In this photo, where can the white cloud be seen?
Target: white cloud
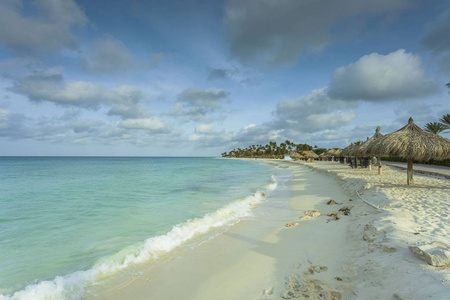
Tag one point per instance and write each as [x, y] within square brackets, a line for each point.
[49, 85]
[46, 25]
[151, 124]
[200, 105]
[209, 98]
[204, 128]
[376, 77]
[313, 112]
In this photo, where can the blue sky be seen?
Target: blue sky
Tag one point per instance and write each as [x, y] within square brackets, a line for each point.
[136, 77]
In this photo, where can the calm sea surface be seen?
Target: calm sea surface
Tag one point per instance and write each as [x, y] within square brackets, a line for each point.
[66, 221]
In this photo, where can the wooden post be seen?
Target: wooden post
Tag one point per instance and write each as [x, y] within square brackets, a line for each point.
[409, 173]
[380, 166]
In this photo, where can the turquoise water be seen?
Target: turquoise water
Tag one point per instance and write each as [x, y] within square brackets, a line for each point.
[66, 221]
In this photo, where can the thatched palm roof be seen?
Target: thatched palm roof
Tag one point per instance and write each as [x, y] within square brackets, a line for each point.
[338, 152]
[331, 152]
[361, 149]
[413, 143]
[348, 149]
[295, 155]
[310, 154]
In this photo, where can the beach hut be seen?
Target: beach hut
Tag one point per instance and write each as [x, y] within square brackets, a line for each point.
[413, 143]
[295, 155]
[310, 155]
[346, 150]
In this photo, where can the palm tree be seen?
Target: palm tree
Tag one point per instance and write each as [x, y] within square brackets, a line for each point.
[435, 127]
[445, 120]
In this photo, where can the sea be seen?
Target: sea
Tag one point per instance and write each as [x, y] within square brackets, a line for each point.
[67, 223]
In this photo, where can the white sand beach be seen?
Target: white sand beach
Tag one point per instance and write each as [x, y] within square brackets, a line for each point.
[358, 253]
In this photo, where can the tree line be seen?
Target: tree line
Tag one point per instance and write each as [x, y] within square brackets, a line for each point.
[272, 150]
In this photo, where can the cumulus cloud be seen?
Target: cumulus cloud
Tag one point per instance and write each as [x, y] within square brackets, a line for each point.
[313, 112]
[109, 55]
[210, 98]
[85, 125]
[376, 77]
[152, 124]
[39, 25]
[204, 128]
[276, 32]
[199, 104]
[125, 101]
[49, 85]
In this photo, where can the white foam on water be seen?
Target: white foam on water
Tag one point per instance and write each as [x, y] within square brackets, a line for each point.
[72, 286]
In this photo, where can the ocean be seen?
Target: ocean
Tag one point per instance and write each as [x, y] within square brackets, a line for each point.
[69, 222]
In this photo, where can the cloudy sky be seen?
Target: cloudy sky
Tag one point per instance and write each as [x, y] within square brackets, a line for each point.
[199, 77]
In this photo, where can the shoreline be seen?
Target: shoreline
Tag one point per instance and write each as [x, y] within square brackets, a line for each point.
[363, 255]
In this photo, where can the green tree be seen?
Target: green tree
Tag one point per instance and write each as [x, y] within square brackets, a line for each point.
[445, 120]
[435, 127]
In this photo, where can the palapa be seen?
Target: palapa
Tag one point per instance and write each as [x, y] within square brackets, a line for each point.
[338, 152]
[413, 143]
[295, 155]
[361, 149]
[346, 151]
[310, 154]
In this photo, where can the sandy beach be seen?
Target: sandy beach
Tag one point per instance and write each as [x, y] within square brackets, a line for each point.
[309, 249]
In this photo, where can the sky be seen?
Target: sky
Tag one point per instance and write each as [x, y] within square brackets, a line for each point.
[200, 77]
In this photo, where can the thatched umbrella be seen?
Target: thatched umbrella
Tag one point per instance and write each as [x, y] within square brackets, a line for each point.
[295, 155]
[338, 152]
[310, 154]
[411, 142]
[331, 152]
[346, 151]
[361, 149]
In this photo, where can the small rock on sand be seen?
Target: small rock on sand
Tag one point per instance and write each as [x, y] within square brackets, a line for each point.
[436, 254]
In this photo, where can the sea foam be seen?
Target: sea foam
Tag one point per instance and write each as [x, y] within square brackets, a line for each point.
[73, 286]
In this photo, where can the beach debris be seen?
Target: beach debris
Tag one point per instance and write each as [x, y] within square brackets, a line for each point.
[305, 218]
[345, 210]
[335, 216]
[334, 295]
[436, 254]
[333, 202]
[307, 287]
[338, 278]
[292, 224]
[313, 213]
[268, 291]
[350, 200]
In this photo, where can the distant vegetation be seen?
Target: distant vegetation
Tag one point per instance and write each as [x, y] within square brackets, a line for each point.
[272, 150]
